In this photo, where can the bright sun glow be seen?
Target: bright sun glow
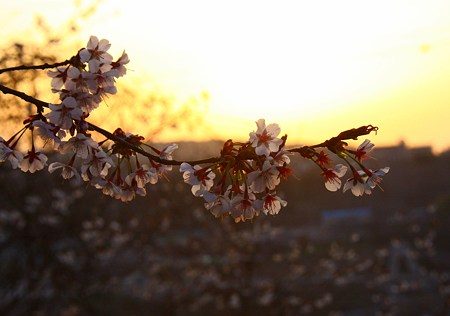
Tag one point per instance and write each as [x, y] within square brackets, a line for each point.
[314, 67]
[260, 59]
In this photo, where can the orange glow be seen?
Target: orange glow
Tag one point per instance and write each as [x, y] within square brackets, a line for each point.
[314, 67]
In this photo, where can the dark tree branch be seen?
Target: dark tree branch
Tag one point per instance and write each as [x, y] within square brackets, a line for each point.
[41, 104]
[39, 67]
[139, 150]
[334, 144]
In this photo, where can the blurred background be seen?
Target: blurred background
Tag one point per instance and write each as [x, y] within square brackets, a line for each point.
[200, 73]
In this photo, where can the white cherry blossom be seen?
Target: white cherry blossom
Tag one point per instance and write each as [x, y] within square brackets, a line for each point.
[166, 154]
[97, 165]
[242, 208]
[143, 175]
[95, 53]
[49, 133]
[8, 154]
[199, 178]
[88, 102]
[270, 204]
[111, 189]
[265, 138]
[376, 177]
[356, 184]
[281, 158]
[77, 80]
[59, 77]
[363, 150]
[332, 181]
[63, 114]
[220, 207]
[267, 178]
[80, 144]
[33, 161]
[118, 67]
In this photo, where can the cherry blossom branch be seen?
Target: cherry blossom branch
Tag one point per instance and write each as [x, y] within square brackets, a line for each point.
[334, 144]
[240, 183]
[41, 104]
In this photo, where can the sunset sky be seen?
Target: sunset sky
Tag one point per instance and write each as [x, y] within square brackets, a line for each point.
[314, 67]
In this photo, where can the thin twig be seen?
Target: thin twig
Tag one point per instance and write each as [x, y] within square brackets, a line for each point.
[39, 67]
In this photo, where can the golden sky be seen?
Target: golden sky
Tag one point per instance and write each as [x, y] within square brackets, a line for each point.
[314, 67]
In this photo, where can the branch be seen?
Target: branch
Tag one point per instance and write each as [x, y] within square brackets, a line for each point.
[334, 144]
[41, 104]
[137, 149]
[41, 67]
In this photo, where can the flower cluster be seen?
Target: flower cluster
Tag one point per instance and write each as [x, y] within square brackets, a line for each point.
[243, 183]
[363, 179]
[82, 85]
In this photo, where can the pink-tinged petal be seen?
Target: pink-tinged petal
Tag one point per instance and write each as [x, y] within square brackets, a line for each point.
[33, 162]
[348, 185]
[85, 55]
[267, 178]
[333, 184]
[94, 65]
[67, 171]
[221, 206]
[186, 167]
[262, 151]
[166, 153]
[383, 171]
[273, 129]
[54, 166]
[103, 45]
[363, 150]
[92, 43]
[358, 189]
[366, 145]
[274, 145]
[70, 102]
[358, 183]
[332, 181]
[376, 177]
[261, 125]
[15, 158]
[271, 204]
[73, 72]
[340, 170]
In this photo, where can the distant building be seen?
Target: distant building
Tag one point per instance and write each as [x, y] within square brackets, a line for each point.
[402, 152]
[359, 214]
[422, 153]
[342, 223]
[393, 153]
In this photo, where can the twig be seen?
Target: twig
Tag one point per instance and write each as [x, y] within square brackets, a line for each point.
[40, 67]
